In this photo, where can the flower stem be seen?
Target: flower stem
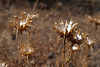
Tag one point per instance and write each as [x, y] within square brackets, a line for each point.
[64, 52]
[29, 36]
[21, 38]
[20, 46]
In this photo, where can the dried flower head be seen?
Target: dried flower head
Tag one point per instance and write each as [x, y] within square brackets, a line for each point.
[64, 29]
[75, 47]
[93, 19]
[3, 64]
[26, 49]
[89, 41]
[79, 36]
[23, 21]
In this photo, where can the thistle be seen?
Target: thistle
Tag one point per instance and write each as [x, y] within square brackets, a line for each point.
[26, 50]
[22, 23]
[93, 19]
[75, 47]
[64, 30]
[78, 36]
[89, 42]
[3, 64]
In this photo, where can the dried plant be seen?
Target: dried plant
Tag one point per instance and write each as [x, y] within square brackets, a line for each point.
[79, 36]
[22, 23]
[26, 50]
[73, 35]
[95, 20]
[64, 30]
[75, 47]
[3, 64]
[67, 31]
[89, 42]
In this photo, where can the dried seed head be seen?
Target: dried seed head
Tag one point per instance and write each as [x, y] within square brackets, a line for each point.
[70, 27]
[23, 21]
[93, 19]
[26, 49]
[89, 41]
[64, 29]
[79, 36]
[3, 64]
[75, 47]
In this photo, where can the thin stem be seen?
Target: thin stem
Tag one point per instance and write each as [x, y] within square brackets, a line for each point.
[21, 41]
[5, 56]
[34, 7]
[27, 58]
[19, 59]
[72, 60]
[94, 32]
[64, 52]
[85, 63]
[81, 56]
[64, 45]
[92, 2]
[28, 36]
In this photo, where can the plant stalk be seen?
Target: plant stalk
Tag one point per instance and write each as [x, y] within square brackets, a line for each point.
[63, 63]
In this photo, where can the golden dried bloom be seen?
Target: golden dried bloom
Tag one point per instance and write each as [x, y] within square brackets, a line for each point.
[64, 29]
[93, 19]
[3, 64]
[26, 49]
[89, 41]
[79, 36]
[75, 47]
[23, 21]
